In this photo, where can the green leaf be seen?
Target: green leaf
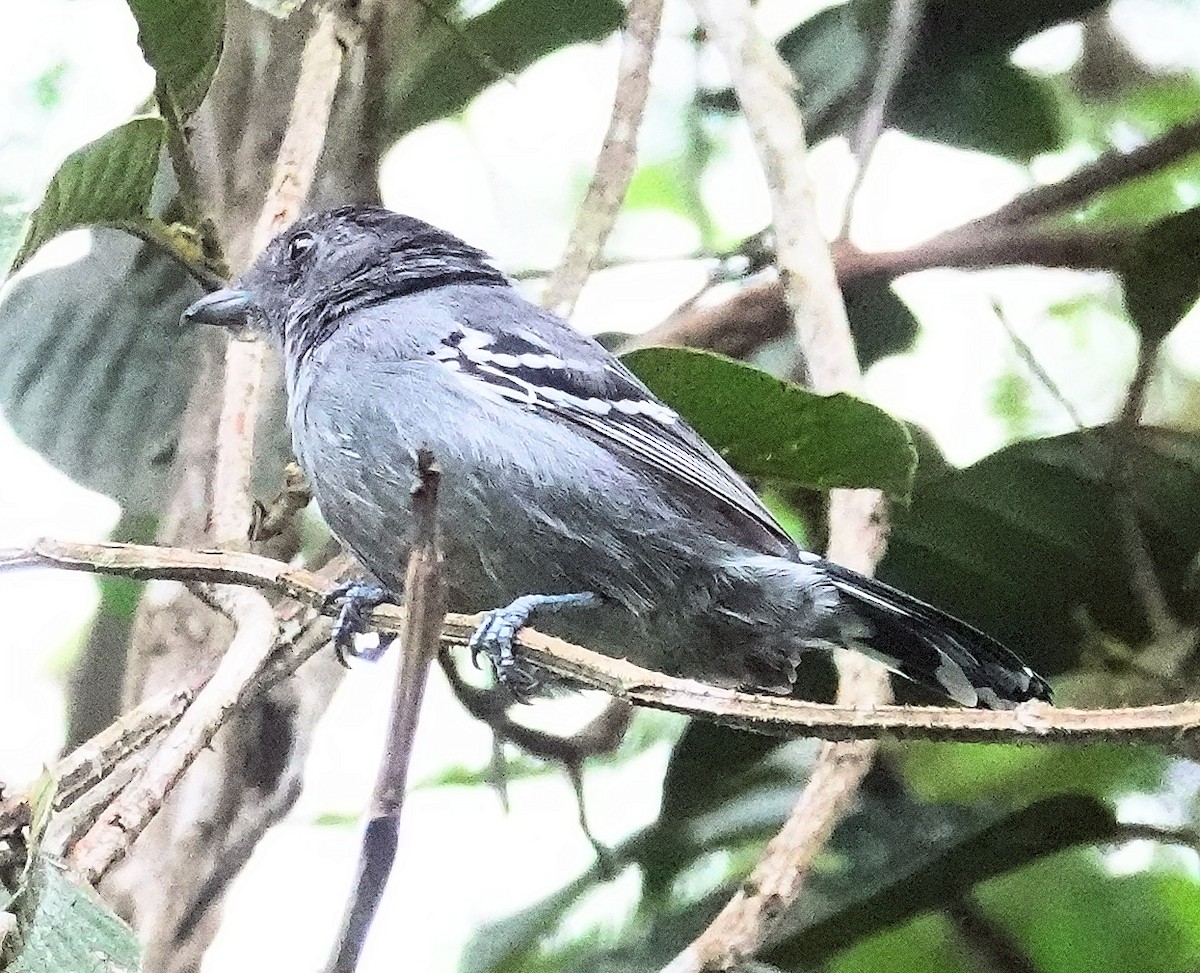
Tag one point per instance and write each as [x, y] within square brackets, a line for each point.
[959, 86]
[985, 103]
[1073, 915]
[107, 181]
[465, 58]
[182, 41]
[946, 858]
[66, 928]
[1024, 542]
[1161, 274]
[880, 322]
[770, 428]
[1007, 774]
[832, 57]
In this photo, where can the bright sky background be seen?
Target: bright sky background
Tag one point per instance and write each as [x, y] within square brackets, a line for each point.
[506, 179]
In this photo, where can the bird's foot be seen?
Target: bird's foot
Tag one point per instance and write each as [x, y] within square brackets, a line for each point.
[495, 634]
[355, 600]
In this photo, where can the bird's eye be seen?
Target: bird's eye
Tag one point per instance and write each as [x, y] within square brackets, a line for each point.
[300, 246]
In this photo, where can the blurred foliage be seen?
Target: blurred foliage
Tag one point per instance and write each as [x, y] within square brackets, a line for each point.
[950, 849]
[466, 57]
[958, 86]
[65, 928]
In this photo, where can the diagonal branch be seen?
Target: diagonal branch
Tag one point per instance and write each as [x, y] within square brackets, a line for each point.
[1106, 172]
[904, 19]
[616, 162]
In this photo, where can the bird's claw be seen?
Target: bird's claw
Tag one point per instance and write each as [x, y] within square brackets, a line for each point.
[355, 600]
[494, 639]
[495, 634]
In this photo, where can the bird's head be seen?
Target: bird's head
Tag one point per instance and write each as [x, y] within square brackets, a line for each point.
[329, 264]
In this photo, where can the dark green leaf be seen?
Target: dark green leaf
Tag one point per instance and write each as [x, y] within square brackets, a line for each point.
[65, 928]
[880, 322]
[959, 86]
[942, 867]
[1024, 543]
[767, 427]
[832, 56]
[985, 103]
[466, 58]
[107, 181]
[181, 40]
[1161, 274]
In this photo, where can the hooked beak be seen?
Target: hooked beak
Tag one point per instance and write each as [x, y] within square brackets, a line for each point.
[226, 308]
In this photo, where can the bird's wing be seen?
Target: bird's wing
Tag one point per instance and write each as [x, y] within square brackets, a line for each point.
[575, 381]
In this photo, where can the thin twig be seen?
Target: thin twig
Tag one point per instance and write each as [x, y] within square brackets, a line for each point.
[109, 839]
[93, 760]
[617, 159]
[904, 18]
[782, 716]
[1123, 441]
[1110, 170]
[1025, 353]
[424, 610]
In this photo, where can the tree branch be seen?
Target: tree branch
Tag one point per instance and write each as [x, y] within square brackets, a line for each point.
[320, 69]
[1003, 238]
[109, 839]
[764, 87]
[616, 162]
[424, 611]
[777, 715]
[904, 18]
[1108, 171]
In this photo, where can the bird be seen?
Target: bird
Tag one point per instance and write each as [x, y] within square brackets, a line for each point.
[569, 493]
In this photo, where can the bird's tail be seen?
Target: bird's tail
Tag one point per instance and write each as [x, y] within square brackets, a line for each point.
[924, 644]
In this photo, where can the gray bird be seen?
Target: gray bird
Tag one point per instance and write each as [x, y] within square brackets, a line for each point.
[569, 491]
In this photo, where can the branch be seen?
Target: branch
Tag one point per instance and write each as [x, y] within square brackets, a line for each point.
[777, 715]
[253, 645]
[903, 21]
[424, 610]
[1108, 171]
[320, 69]
[1000, 239]
[1124, 433]
[764, 88]
[616, 162]
[980, 244]
[93, 760]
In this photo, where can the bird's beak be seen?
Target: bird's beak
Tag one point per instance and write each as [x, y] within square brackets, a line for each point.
[226, 308]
